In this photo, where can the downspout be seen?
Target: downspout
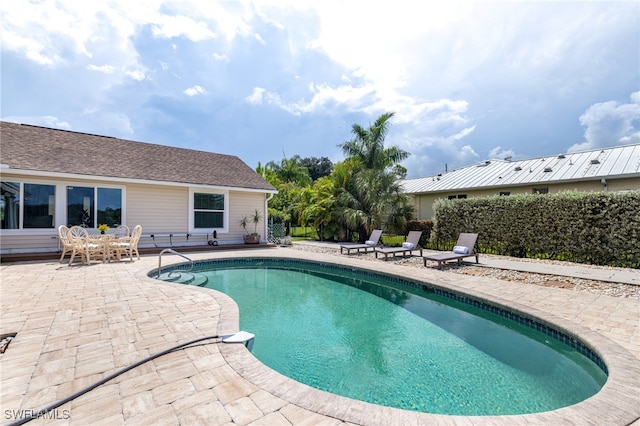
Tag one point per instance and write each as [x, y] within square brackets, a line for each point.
[603, 181]
[266, 216]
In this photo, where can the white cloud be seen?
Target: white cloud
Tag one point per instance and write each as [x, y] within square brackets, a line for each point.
[610, 123]
[255, 98]
[32, 49]
[195, 90]
[107, 69]
[261, 96]
[109, 123]
[45, 121]
[181, 26]
[499, 153]
[220, 57]
[136, 75]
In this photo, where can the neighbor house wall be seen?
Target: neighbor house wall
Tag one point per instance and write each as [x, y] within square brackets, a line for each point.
[423, 203]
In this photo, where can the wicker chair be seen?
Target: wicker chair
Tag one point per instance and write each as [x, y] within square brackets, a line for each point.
[122, 231]
[127, 245]
[65, 242]
[84, 246]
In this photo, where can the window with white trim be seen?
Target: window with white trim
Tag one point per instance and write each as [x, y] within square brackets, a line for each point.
[90, 206]
[27, 205]
[208, 210]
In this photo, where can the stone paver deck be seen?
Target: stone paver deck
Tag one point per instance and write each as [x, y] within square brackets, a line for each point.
[78, 324]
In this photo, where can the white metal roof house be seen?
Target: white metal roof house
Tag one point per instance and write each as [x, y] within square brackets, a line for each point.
[180, 196]
[609, 169]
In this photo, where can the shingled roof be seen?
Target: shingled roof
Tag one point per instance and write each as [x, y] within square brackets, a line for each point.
[42, 149]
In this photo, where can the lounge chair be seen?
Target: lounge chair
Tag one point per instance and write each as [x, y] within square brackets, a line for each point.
[411, 243]
[465, 247]
[369, 245]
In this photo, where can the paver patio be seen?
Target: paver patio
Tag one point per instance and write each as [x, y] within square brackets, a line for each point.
[77, 324]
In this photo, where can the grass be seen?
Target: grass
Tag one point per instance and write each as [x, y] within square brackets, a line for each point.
[302, 233]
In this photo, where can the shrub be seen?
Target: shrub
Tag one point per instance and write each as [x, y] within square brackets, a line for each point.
[598, 228]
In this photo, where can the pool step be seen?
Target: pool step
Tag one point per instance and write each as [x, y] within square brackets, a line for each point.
[190, 278]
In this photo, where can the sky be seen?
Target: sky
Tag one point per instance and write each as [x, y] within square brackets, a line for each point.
[468, 81]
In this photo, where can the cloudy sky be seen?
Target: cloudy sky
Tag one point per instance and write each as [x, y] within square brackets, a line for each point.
[468, 81]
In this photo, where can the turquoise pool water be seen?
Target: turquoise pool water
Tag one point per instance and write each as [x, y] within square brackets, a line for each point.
[367, 337]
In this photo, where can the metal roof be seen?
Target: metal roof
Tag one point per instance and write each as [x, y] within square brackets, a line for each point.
[610, 163]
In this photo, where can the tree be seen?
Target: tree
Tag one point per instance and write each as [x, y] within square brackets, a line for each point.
[318, 208]
[367, 146]
[291, 170]
[317, 167]
[288, 177]
[371, 197]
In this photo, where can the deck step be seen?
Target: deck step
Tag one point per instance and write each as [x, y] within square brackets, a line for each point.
[200, 280]
[180, 277]
[177, 277]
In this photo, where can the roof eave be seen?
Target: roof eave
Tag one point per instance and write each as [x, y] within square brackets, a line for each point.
[39, 173]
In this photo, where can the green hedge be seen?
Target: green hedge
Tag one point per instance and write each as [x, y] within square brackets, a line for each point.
[596, 228]
[394, 240]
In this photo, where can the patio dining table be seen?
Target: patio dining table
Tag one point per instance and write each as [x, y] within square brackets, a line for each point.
[105, 241]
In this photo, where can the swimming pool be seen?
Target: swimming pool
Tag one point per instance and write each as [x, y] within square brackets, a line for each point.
[393, 341]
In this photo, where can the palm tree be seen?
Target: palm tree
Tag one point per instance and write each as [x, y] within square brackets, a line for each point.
[367, 146]
[291, 170]
[371, 197]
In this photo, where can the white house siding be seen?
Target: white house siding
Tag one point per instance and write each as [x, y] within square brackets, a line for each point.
[28, 240]
[164, 210]
[424, 202]
[244, 204]
[160, 209]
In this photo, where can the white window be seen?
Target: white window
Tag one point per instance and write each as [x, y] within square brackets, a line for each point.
[209, 211]
[90, 206]
[27, 205]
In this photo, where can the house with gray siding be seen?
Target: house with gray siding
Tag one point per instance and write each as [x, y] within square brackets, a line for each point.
[181, 197]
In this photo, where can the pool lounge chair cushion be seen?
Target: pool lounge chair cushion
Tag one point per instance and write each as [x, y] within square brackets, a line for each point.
[461, 250]
[412, 242]
[369, 245]
[465, 241]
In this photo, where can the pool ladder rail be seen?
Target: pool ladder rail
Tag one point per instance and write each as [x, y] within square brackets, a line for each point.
[180, 276]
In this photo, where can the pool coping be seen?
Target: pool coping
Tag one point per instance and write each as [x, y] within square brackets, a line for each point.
[614, 404]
